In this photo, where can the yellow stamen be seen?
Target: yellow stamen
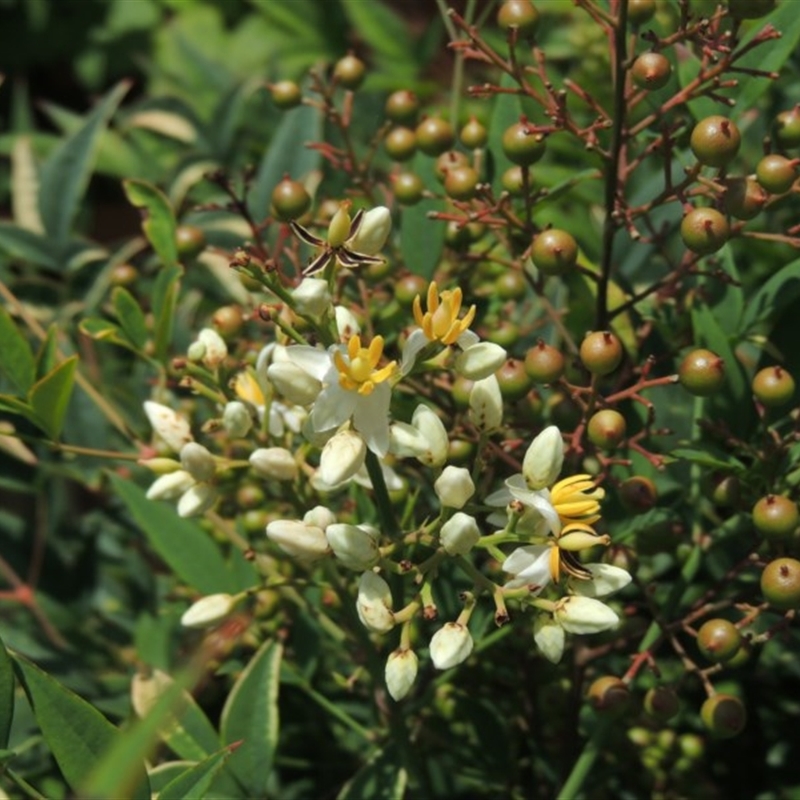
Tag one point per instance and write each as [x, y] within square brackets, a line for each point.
[246, 387]
[359, 373]
[576, 500]
[440, 322]
[555, 564]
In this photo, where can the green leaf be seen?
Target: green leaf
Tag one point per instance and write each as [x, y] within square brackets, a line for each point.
[6, 695]
[66, 172]
[716, 460]
[130, 316]
[159, 223]
[16, 357]
[28, 246]
[422, 239]
[381, 778]
[101, 330]
[195, 782]
[165, 298]
[780, 291]
[165, 773]
[77, 733]
[47, 357]
[251, 715]
[182, 544]
[688, 69]
[50, 395]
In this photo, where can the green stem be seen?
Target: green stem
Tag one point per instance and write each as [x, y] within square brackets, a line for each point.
[383, 502]
[583, 766]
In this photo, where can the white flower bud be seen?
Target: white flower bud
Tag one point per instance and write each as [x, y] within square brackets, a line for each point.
[216, 349]
[341, 457]
[480, 361]
[454, 487]
[236, 419]
[459, 534]
[543, 459]
[346, 323]
[320, 517]
[304, 542]
[401, 672]
[196, 500]
[168, 424]
[355, 546]
[170, 486]
[274, 462]
[208, 611]
[160, 466]
[198, 461]
[549, 637]
[606, 579]
[486, 404]
[450, 645]
[312, 297]
[195, 352]
[374, 603]
[433, 432]
[584, 615]
[406, 440]
[295, 384]
[373, 231]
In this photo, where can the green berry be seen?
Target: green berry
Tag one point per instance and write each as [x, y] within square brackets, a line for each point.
[661, 702]
[290, 199]
[449, 160]
[651, 71]
[780, 583]
[286, 94]
[544, 363]
[123, 275]
[609, 694]
[473, 134]
[701, 372]
[513, 380]
[520, 14]
[408, 188]
[350, 72]
[724, 715]
[606, 428]
[776, 173]
[638, 494]
[400, 143]
[773, 386]
[640, 11]
[776, 517]
[787, 127]
[512, 181]
[402, 107]
[601, 352]
[554, 252]
[511, 285]
[522, 145]
[715, 141]
[704, 230]
[190, 241]
[719, 640]
[408, 287]
[744, 197]
[434, 136]
[228, 320]
[460, 183]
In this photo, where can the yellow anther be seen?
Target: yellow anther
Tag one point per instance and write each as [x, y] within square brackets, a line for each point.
[440, 322]
[576, 501]
[359, 373]
[246, 387]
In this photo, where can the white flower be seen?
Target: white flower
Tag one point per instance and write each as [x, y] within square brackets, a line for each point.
[433, 432]
[543, 459]
[168, 424]
[208, 611]
[320, 517]
[454, 487]
[531, 566]
[170, 486]
[374, 603]
[459, 534]
[356, 546]
[306, 543]
[274, 462]
[450, 645]
[236, 419]
[549, 637]
[196, 500]
[294, 383]
[584, 615]
[372, 233]
[342, 456]
[312, 297]
[606, 579]
[480, 360]
[346, 323]
[198, 461]
[486, 404]
[215, 349]
[401, 672]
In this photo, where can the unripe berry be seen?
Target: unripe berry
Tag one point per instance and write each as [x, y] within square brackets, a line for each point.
[773, 386]
[727, 492]
[514, 381]
[651, 71]
[473, 134]
[715, 141]
[744, 197]
[350, 71]
[661, 702]
[609, 694]
[502, 332]
[638, 494]
[189, 240]
[228, 320]
[290, 199]
[776, 173]
[511, 285]
[400, 143]
[701, 372]
[522, 145]
[408, 188]
[606, 428]
[434, 136]
[520, 14]
[601, 352]
[512, 181]
[460, 183]
[123, 275]
[787, 127]
[776, 516]
[286, 94]
[402, 107]
[704, 230]
[780, 583]
[449, 160]
[544, 363]
[724, 715]
[554, 252]
[408, 287]
[640, 11]
[719, 640]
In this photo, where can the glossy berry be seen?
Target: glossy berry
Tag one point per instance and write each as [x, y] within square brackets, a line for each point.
[601, 352]
[554, 252]
[502, 332]
[520, 14]
[434, 136]
[402, 107]
[473, 134]
[448, 160]
[400, 143]
[460, 183]
[513, 380]
[350, 71]
[459, 451]
[773, 386]
[606, 428]
[123, 275]
[775, 516]
[544, 363]
[286, 94]
[190, 241]
[661, 702]
[723, 715]
[638, 494]
[511, 285]
[750, 9]
[408, 287]
[640, 11]
[512, 181]
[776, 173]
[609, 694]
[460, 236]
[522, 145]
[719, 640]
[701, 372]
[727, 492]
[787, 127]
[408, 188]
[715, 141]
[290, 199]
[780, 583]
[744, 197]
[651, 71]
[228, 320]
[704, 230]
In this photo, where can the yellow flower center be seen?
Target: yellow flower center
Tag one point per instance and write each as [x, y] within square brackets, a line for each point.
[247, 388]
[358, 373]
[577, 501]
[440, 322]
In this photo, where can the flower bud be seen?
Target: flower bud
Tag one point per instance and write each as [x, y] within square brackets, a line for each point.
[198, 461]
[454, 487]
[160, 466]
[355, 546]
[401, 672]
[295, 384]
[312, 297]
[274, 462]
[486, 404]
[549, 637]
[216, 349]
[581, 540]
[373, 232]
[248, 389]
[319, 516]
[196, 352]
[433, 432]
[346, 323]
[459, 534]
[339, 226]
[236, 419]
[168, 424]
[341, 457]
[543, 459]
[584, 615]
[480, 361]
[208, 611]
[170, 486]
[406, 440]
[196, 500]
[606, 579]
[374, 603]
[450, 645]
[306, 543]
